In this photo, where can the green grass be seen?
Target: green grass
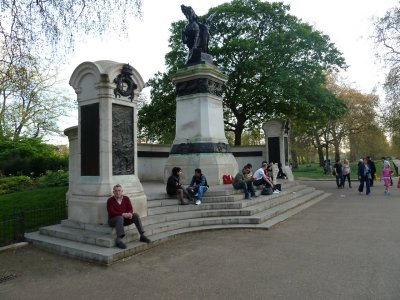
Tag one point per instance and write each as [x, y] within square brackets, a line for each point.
[314, 171]
[27, 211]
[32, 199]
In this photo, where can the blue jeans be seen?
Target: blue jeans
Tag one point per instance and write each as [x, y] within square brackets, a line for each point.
[248, 188]
[198, 189]
[367, 182]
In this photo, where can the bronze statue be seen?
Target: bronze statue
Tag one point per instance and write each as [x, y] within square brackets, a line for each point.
[195, 34]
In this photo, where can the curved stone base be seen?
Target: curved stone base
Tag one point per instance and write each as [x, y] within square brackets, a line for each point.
[213, 166]
[88, 197]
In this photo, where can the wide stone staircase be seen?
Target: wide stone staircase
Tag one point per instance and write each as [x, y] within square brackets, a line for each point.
[222, 208]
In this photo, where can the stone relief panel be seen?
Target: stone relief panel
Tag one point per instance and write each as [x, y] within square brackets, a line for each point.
[122, 140]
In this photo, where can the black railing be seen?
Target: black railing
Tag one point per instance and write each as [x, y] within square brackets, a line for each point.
[14, 226]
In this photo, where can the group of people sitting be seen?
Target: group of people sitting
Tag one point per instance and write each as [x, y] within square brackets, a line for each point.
[197, 187]
[246, 181]
[121, 213]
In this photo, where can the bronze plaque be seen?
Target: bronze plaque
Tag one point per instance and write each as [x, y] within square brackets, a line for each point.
[90, 144]
[122, 140]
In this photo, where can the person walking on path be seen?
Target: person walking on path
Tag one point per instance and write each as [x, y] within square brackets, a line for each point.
[174, 186]
[372, 167]
[338, 173]
[346, 172]
[386, 176]
[364, 175]
[120, 214]
[386, 161]
[243, 181]
[198, 186]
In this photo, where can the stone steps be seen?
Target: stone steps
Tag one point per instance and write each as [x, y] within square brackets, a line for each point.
[108, 256]
[220, 209]
[104, 235]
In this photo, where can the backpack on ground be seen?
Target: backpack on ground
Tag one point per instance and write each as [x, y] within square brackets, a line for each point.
[267, 191]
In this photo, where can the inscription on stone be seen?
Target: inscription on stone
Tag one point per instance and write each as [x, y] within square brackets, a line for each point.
[90, 144]
[122, 140]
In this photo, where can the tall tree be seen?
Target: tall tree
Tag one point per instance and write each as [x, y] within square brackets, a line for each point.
[29, 26]
[360, 113]
[387, 37]
[271, 57]
[30, 102]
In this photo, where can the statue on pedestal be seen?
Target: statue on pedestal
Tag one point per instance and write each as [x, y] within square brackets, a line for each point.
[196, 35]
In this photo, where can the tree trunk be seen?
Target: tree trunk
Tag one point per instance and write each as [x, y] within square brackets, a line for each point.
[239, 130]
[337, 150]
[321, 156]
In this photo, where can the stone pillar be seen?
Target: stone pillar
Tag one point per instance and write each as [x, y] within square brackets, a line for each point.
[104, 146]
[277, 144]
[200, 140]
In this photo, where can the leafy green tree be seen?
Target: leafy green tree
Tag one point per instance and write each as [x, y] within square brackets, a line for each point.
[156, 120]
[387, 37]
[323, 109]
[29, 156]
[273, 61]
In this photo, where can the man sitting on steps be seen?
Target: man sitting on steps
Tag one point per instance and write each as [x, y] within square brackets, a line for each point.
[198, 186]
[261, 177]
[242, 181]
[120, 214]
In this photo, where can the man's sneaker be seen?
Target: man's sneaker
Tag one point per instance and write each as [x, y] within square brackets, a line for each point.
[254, 196]
[276, 192]
[120, 245]
[198, 202]
[144, 239]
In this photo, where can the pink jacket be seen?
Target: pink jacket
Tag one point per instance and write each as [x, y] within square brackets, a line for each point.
[386, 172]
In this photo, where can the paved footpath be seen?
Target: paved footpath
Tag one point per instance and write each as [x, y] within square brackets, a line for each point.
[345, 247]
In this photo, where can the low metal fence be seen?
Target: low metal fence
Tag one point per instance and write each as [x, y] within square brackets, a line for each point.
[14, 226]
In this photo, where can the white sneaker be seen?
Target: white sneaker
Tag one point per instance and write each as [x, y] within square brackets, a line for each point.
[198, 202]
[276, 192]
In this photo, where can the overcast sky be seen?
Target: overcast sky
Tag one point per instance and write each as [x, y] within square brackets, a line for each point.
[348, 23]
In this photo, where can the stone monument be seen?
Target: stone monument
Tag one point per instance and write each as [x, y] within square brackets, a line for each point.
[200, 140]
[277, 144]
[103, 145]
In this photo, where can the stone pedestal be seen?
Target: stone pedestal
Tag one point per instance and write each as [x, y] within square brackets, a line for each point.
[103, 146]
[277, 144]
[200, 140]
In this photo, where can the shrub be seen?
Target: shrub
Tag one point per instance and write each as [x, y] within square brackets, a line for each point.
[30, 157]
[53, 178]
[14, 184]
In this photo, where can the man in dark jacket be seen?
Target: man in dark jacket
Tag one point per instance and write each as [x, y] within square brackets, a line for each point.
[372, 167]
[364, 174]
[198, 186]
[338, 173]
[243, 181]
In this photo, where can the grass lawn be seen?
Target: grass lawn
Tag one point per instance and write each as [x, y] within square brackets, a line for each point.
[27, 211]
[32, 199]
[314, 171]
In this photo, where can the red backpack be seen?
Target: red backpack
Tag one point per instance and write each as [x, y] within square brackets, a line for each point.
[227, 179]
